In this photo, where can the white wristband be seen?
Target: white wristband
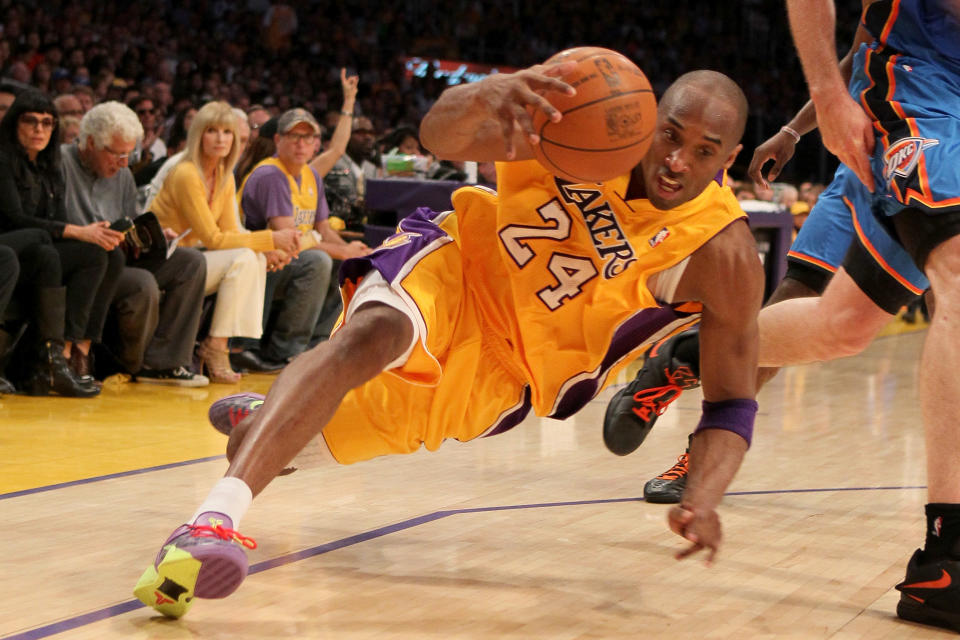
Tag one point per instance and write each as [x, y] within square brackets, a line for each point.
[791, 132]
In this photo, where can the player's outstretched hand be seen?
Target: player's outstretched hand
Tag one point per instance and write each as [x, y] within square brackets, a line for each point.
[847, 133]
[779, 148]
[514, 97]
[700, 527]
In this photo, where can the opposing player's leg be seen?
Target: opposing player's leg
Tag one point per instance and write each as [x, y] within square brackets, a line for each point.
[930, 592]
[205, 558]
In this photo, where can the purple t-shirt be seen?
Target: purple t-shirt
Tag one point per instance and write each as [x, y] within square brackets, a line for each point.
[266, 194]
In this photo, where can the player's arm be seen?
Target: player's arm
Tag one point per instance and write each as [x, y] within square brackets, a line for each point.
[781, 145]
[491, 120]
[725, 275]
[846, 130]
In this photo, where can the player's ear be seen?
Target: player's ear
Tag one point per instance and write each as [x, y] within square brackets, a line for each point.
[733, 156]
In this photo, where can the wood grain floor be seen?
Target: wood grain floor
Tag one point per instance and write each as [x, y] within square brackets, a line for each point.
[537, 533]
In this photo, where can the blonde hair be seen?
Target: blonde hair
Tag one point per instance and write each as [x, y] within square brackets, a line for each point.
[213, 114]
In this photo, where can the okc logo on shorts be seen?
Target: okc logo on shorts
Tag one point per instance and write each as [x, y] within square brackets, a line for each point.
[902, 158]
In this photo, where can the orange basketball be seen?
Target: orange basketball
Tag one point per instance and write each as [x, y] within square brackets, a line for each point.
[607, 127]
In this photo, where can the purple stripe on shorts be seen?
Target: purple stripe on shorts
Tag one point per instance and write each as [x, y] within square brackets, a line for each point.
[636, 331]
[513, 418]
[414, 235]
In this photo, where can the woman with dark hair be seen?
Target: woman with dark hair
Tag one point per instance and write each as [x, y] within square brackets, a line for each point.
[31, 197]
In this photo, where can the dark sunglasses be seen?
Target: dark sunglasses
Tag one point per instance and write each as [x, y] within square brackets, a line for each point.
[34, 122]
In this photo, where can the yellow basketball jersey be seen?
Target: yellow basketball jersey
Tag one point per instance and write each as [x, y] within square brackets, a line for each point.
[561, 271]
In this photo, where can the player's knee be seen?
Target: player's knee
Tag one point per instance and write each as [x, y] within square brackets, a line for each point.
[375, 335]
[847, 334]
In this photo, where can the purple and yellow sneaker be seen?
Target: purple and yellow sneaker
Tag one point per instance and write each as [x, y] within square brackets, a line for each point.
[226, 413]
[205, 559]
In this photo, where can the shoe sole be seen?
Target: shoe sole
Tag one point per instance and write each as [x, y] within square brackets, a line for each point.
[917, 612]
[181, 576]
[175, 383]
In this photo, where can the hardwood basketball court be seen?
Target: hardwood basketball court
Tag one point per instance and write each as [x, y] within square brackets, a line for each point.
[536, 533]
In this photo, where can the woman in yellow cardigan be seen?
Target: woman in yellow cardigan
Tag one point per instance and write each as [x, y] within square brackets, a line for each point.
[199, 194]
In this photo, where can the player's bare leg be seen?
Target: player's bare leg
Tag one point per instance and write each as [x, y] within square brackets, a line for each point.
[307, 393]
[205, 558]
[938, 382]
[841, 322]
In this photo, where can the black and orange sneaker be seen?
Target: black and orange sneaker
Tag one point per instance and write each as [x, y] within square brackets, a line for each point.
[667, 488]
[930, 594]
[634, 409]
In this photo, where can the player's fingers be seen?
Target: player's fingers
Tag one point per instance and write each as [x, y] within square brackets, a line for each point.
[773, 173]
[860, 164]
[689, 551]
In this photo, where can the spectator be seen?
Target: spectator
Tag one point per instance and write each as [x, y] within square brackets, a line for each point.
[156, 333]
[69, 129]
[35, 270]
[337, 145]
[152, 147]
[32, 196]
[243, 129]
[85, 95]
[199, 194]
[283, 192]
[257, 115]
[346, 181]
[67, 105]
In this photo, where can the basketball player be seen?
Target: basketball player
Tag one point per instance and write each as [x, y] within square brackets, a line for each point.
[530, 297]
[816, 254]
[902, 140]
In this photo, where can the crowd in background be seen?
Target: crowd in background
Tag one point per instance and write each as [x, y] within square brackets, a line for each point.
[276, 78]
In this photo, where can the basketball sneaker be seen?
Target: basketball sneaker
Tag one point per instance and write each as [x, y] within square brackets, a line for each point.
[226, 413]
[205, 559]
[930, 593]
[667, 488]
[634, 409]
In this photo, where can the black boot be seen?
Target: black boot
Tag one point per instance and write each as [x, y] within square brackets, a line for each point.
[51, 373]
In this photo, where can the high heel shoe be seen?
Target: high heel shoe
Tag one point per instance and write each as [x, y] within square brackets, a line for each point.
[216, 362]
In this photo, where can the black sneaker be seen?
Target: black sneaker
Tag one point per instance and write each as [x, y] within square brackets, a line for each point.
[180, 377]
[634, 409]
[667, 488]
[930, 594]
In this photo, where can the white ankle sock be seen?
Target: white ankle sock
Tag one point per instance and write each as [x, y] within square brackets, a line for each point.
[231, 497]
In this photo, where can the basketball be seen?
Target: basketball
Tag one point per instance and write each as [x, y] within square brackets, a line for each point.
[607, 126]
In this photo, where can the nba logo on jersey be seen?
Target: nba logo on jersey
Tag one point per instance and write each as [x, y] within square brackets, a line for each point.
[660, 236]
[902, 158]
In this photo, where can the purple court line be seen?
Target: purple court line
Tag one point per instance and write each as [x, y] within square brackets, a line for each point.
[131, 605]
[121, 474]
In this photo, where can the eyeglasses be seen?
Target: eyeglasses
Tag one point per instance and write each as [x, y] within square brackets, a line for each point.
[118, 156]
[33, 122]
[301, 137]
[364, 132]
[143, 112]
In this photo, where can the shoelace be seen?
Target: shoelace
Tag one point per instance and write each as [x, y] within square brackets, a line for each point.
[676, 471]
[206, 531]
[656, 400]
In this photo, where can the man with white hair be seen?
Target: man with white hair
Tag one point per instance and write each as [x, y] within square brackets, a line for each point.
[156, 337]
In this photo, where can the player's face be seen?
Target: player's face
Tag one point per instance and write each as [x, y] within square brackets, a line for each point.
[691, 145]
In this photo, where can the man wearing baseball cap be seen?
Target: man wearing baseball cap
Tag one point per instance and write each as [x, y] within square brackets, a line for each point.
[283, 192]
